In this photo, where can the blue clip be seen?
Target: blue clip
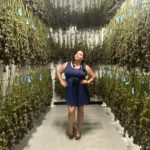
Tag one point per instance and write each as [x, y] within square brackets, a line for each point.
[111, 76]
[40, 77]
[138, 3]
[127, 83]
[121, 18]
[133, 90]
[27, 20]
[48, 35]
[117, 18]
[145, 94]
[29, 79]
[124, 79]
[130, 13]
[142, 81]
[33, 27]
[20, 11]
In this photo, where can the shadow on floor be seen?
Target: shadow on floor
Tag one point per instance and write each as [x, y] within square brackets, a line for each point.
[87, 126]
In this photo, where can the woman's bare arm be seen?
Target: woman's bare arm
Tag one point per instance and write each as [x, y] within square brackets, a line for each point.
[59, 72]
[91, 74]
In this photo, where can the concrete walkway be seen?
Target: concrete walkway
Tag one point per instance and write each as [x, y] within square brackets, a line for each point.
[99, 132]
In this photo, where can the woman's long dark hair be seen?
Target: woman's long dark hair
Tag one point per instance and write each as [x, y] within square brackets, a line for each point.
[74, 53]
[83, 61]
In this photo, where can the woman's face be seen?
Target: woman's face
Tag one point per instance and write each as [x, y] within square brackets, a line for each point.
[79, 56]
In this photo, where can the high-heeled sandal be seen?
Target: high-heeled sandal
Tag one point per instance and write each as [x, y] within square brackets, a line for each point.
[71, 136]
[77, 137]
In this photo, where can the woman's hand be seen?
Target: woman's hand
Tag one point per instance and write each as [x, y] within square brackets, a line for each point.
[64, 83]
[85, 82]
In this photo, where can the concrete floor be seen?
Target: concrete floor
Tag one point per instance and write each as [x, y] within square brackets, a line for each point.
[99, 132]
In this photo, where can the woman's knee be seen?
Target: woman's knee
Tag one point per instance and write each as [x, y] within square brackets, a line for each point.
[80, 109]
[71, 110]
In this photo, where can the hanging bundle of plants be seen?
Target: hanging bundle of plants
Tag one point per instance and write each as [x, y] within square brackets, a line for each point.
[30, 96]
[128, 42]
[127, 94]
[23, 38]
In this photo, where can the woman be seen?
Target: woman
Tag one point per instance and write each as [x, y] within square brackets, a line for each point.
[76, 89]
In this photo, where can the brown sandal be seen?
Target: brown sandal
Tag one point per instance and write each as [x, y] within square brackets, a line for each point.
[71, 136]
[77, 137]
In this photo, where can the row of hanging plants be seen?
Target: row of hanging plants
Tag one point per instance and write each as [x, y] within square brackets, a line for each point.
[128, 96]
[96, 15]
[126, 46]
[23, 38]
[93, 56]
[127, 39]
[28, 97]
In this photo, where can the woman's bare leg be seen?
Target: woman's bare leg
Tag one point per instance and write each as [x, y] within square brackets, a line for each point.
[80, 116]
[71, 117]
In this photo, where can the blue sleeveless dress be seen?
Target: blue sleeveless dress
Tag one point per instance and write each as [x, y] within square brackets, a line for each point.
[76, 93]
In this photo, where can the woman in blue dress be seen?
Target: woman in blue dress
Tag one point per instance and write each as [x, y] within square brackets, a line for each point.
[77, 94]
